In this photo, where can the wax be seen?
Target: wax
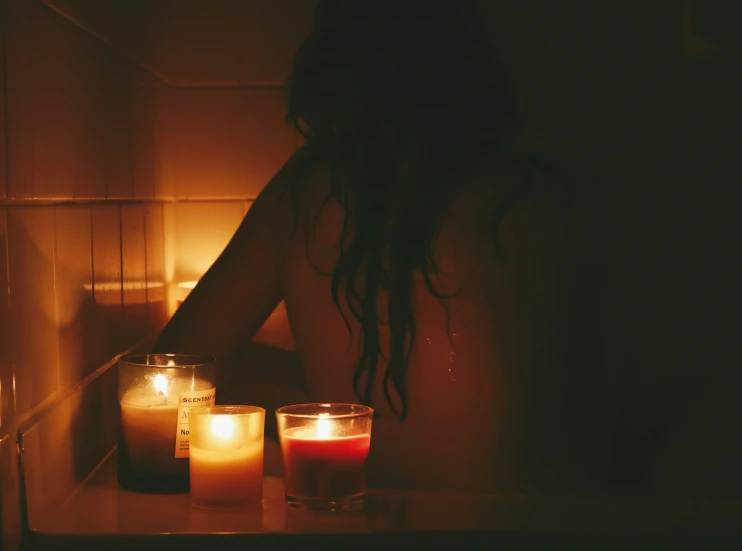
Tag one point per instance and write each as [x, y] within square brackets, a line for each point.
[226, 456]
[148, 426]
[153, 442]
[227, 477]
[323, 466]
[156, 392]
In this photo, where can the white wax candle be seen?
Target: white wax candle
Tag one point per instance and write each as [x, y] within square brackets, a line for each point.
[151, 423]
[148, 428]
[228, 468]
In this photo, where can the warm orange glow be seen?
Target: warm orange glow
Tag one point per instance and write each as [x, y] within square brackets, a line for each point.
[196, 232]
[200, 232]
[182, 290]
[324, 426]
[110, 293]
[178, 293]
[195, 235]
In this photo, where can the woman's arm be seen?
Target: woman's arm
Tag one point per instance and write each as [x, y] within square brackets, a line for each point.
[241, 289]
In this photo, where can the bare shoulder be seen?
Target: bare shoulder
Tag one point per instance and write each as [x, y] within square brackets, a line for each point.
[299, 181]
[313, 220]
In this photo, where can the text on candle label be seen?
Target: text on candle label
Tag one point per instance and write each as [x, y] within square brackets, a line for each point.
[186, 402]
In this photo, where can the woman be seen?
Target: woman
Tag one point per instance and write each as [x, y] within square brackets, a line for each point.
[426, 263]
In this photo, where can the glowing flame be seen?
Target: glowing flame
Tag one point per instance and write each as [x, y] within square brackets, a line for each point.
[324, 426]
[171, 363]
[161, 385]
[222, 426]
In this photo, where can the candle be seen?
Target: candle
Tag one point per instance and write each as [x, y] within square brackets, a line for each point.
[182, 290]
[324, 447]
[226, 456]
[156, 392]
[148, 428]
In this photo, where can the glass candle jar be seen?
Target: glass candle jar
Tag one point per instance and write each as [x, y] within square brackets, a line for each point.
[324, 450]
[226, 452]
[156, 393]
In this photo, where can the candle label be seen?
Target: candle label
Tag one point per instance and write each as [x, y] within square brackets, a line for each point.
[186, 402]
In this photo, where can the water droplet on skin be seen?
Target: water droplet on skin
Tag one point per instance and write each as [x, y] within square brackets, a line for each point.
[453, 359]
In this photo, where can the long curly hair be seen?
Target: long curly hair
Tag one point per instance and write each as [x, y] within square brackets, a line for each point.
[405, 100]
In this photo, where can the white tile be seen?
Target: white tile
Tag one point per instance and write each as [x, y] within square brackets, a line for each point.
[33, 320]
[155, 242]
[105, 342]
[74, 291]
[69, 109]
[220, 142]
[7, 408]
[10, 530]
[192, 42]
[202, 230]
[3, 160]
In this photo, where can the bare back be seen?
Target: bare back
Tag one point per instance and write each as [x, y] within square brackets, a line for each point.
[473, 356]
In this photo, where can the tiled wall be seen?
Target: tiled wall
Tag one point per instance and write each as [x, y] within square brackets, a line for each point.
[126, 163]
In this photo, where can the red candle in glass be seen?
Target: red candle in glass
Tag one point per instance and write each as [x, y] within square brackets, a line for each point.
[324, 456]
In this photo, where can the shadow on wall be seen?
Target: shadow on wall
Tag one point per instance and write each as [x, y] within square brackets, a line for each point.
[62, 325]
[124, 323]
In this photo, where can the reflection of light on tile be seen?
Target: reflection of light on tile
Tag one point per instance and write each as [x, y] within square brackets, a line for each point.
[183, 289]
[201, 231]
[110, 294]
[177, 293]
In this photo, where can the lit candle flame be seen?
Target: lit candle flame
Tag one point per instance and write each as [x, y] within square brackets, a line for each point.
[161, 385]
[171, 363]
[324, 426]
[222, 426]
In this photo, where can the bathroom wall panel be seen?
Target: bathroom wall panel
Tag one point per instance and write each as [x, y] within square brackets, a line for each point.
[215, 143]
[33, 318]
[190, 42]
[74, 291]
[69, 105]
[7, 407]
